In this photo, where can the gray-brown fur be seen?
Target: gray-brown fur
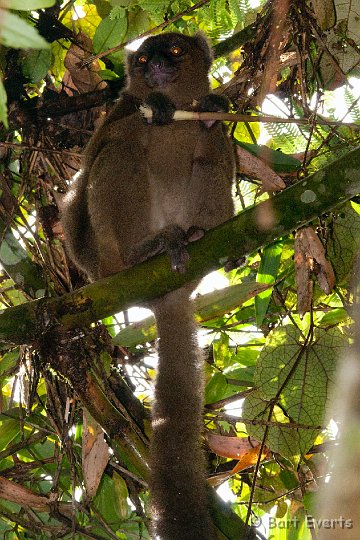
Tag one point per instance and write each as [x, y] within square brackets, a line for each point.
[142, 183]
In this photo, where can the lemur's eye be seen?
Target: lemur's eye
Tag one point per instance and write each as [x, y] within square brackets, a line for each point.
[143, 59]
[176, 51]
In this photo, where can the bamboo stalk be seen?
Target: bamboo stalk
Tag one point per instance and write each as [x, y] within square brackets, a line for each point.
[234, 117]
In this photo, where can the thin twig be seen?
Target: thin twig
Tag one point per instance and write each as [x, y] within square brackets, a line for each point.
[18, 146]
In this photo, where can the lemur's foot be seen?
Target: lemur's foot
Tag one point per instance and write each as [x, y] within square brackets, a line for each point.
[194, 233]
[213, 103]
[173, 241]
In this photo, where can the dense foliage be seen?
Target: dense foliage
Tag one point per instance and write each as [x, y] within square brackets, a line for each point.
[272, 334]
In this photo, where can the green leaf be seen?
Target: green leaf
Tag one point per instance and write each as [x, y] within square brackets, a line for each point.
[117, 12]
[268, 269]
[246, 132]
[299, 530]
[103, 8]
[39, 450]
[110, 322]
[111, 499]
[301, 377]
[247, 356]
[344, 241]
[289, 479]
[222, 354]
[216, 388]
[240, 8]
[26, 5]
[278, 161]
[19, 34]
[124, 3]
[108, 75]
[109, 33]
[9, 430]
[8, 361]
[335, 316]
[153, 6]
[3, 107]
[11, 252]
[139, 22]
[36, 64]
[244, 375]
[285, 441]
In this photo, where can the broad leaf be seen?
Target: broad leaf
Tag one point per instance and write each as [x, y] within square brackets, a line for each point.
[36, 64]
[267, 273]
[109, 33]
[17, 33]
[344, 241]
[301, 377]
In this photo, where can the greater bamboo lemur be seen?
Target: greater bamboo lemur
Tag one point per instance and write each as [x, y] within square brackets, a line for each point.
[144, 188]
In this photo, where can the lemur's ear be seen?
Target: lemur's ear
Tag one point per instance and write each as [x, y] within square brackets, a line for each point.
[204, 44]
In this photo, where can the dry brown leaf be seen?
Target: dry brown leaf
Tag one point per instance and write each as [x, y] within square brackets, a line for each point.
[95, 454]
[86, 79]
[230, 447]
[325, 276]
[249, 459]
[310, 258]
[257, 168]
[245, 449]
[323, 269]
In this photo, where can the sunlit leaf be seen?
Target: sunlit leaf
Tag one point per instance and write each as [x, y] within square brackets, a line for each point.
[8, 361]
[216, 388]
[269, 265]
[3, 106]
[231, 447]
[302, 376]
[9, 429]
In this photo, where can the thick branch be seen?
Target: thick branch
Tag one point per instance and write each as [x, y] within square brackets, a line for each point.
[251, 230]
[235, 41]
